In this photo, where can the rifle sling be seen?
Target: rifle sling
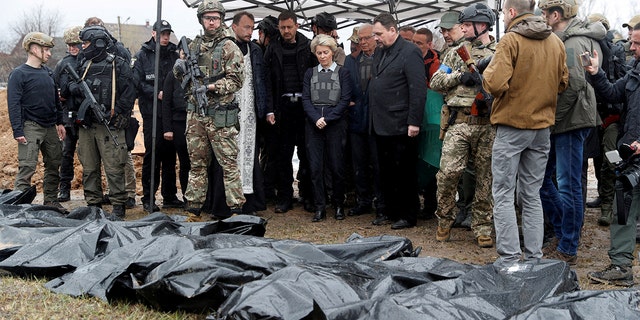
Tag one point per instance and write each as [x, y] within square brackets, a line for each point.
[113, 82]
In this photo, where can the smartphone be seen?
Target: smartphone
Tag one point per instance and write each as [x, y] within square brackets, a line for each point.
[585, 59]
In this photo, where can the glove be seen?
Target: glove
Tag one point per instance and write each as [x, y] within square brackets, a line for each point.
[74, 89]
[470, 79]
[179, 68]
[119, 121]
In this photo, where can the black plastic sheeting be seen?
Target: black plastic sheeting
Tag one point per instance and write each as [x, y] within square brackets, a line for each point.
[229, 269]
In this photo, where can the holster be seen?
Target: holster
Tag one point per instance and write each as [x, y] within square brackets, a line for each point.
[445, 114]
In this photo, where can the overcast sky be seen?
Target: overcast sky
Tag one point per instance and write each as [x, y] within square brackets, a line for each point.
[183, 19]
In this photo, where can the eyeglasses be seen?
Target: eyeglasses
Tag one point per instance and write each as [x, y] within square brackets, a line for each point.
[211, 18]
[365, 38]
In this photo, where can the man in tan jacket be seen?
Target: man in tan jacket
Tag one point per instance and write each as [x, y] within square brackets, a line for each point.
[527, 72]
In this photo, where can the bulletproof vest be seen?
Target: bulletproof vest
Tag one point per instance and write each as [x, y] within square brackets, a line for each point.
[325, 87]
[291, 80]
[99, 78]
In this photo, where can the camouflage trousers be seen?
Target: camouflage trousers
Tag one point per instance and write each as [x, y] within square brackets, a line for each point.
[205, 140]
[461, 142]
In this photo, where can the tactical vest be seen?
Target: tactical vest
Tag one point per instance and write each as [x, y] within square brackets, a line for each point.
[211, 61]
[325, 87]
[99, 77]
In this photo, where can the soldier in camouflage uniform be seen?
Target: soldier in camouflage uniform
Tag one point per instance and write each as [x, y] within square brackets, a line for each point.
[214, 133]
[467, 134]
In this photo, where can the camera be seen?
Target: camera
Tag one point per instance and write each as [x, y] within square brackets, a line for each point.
[585, 59]
[627, 177]
[627, 165]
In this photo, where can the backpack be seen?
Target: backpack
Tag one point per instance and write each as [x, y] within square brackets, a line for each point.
[613, 59]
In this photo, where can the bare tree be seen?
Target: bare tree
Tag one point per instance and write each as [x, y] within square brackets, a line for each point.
[37, 18]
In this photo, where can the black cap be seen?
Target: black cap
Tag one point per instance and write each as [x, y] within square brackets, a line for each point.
[163, 25]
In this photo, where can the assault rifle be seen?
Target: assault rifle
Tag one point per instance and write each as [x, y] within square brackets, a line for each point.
[483, 101]
[89, 103]
[194, 75]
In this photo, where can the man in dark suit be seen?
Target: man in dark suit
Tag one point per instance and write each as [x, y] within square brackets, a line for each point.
[397, 94]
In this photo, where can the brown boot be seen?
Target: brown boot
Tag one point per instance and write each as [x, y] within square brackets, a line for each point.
[443, 234]
[485, 241]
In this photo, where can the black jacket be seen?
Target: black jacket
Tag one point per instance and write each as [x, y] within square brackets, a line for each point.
[174, 106]
[274, 65]
[397, 89]
[262, 97]
[625, 90]
[144, 73]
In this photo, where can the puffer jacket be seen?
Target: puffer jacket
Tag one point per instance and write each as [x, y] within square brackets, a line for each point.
[577, 105]
[526, 74]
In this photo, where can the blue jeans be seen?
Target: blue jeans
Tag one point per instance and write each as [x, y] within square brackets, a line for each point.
[562, 205]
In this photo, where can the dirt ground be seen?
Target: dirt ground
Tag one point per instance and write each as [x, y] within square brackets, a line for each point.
[296, 224]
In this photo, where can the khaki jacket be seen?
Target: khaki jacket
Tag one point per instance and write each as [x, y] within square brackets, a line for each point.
[526, 74]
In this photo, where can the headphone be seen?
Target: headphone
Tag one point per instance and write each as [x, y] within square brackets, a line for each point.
[100, 43]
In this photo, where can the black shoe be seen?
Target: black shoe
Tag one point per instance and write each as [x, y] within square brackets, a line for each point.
[595, 203]
[339, 213]
[283, 207]
[118, 211]
[130, 203]
[308, 206]
[381, 220]
[402, 224]
[64, 195]
[105, 199]
[57, 206]
[235, 211]
[359, 210]
[319, 216]
[147, 209]
[172, 203]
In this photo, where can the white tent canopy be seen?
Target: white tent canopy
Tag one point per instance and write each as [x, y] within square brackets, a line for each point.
[348, 13]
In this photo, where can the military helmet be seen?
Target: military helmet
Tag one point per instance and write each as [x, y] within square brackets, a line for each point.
[449, 19]
[477, 12]
[569, 7]
[97, 35]
[72, 35]
[210, 6]
[269, 25]
[38, 38]
[598, 17]
[325, 21]
[632, 23]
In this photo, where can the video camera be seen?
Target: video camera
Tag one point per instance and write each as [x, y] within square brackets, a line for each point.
[627, 165]
[627, 171]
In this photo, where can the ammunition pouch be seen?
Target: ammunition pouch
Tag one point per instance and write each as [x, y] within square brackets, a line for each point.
[224, 116]
[119, 121]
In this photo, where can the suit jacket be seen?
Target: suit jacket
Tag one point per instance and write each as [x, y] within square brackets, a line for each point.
[397, 89]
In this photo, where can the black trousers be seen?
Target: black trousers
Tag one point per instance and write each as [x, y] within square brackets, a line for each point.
[290, 122]
[68, 150]
[180, 144]
[327, 146]
[165, 161]
[366, 170]
[397, 156]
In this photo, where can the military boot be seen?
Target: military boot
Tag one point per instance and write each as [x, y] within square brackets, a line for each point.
[118, 211]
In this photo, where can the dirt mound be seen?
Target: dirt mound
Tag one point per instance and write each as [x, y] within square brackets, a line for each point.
[9, 156]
